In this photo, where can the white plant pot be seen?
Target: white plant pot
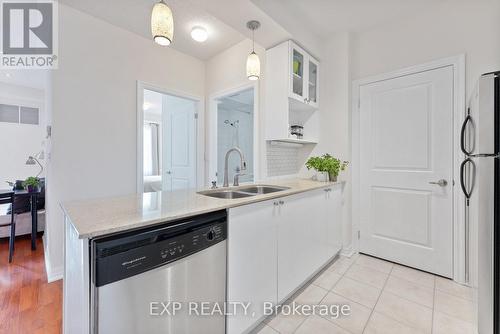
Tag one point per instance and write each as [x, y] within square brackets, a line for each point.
[322, 176]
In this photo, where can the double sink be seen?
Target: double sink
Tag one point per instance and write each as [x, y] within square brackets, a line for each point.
[242, 192]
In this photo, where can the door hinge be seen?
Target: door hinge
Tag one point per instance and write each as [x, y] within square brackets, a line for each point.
[359, 235]
[196, 116]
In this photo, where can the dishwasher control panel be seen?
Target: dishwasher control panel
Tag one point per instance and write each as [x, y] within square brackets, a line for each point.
[119, 258]
[193, 242]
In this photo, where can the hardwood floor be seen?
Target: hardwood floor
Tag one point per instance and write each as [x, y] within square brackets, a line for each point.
[28, 304]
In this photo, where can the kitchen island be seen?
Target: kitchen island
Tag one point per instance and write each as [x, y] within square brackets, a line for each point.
[304, 220]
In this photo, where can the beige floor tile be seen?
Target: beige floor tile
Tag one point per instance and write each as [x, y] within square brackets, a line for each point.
[405, 311]
[355, 321]
[413, 275]
[327, 279]
[381, 324]
[341, 265]
[286, 324]
[318, 325]
[454, 306]
[367, 275]
[353, 257]
[411, 291]
[444, 324]
[453, 288]
[311, 295]
[358, 292]
[374, 263]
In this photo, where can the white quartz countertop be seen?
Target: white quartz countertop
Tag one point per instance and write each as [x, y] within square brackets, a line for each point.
[98, 217]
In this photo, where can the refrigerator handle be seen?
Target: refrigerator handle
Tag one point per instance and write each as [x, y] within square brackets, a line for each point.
[467, 192]
[468, 119]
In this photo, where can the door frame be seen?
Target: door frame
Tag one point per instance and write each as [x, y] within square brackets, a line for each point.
[200, 130]
[458, 64]
[211, 162]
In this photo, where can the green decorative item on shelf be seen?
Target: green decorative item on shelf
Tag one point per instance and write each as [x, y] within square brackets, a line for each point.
[31, 183]
[327, 164]
[296, 66]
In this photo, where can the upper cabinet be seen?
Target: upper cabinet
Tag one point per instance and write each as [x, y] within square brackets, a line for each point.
[303, 76]
[292, 94]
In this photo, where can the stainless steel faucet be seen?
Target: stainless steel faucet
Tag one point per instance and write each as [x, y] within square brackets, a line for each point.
[243, 167]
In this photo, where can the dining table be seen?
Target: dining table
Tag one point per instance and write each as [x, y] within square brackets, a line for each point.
[33, 197]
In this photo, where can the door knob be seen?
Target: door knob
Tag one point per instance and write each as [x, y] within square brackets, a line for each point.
[441, 183]
[169, 172]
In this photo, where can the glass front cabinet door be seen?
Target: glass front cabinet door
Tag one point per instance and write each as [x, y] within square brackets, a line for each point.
[304, 77]
[312, 82]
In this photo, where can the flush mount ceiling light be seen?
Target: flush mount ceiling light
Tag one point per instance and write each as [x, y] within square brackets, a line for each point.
[199, 34]
[162, 24]
[253, 61]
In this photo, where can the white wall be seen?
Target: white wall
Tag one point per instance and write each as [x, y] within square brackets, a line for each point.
[470, 27]
[227, 71]
[94, 111]
[20, 140]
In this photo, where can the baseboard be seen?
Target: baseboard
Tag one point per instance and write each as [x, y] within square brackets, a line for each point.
[53, 274]
[347, 252]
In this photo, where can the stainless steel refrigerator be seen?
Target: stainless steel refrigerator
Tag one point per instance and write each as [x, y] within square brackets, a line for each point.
[480, 182]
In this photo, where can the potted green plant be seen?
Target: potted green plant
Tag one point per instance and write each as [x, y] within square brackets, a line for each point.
[327, 167]
[334, 166]
[31, 183]
[319, 165]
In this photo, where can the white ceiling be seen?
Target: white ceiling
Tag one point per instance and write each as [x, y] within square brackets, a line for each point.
[324, 17]
[135, 15]
[26, 78]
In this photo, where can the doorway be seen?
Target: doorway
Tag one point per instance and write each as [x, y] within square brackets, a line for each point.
[233, 117]
[405, 168]
[168, 142]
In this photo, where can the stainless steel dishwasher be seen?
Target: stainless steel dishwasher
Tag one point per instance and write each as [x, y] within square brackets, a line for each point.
[140, 277]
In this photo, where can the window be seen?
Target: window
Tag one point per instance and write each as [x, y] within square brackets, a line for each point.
[19, 114]
[9, 113]
[151, 163]
[29, 115]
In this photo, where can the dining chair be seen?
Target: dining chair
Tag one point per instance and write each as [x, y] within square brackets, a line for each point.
[8, 198]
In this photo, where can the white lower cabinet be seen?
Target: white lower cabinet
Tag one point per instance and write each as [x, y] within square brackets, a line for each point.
[275, 246]
[251, 264]
[302, 239]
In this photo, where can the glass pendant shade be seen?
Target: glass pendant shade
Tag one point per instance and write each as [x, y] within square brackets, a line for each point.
[253, 66]
[162, 24]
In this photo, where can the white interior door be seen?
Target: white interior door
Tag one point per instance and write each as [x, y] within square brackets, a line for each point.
[406, 129]
[179, 143]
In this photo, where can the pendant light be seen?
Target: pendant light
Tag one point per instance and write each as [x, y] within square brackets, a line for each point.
[162, 24]
[253, 61]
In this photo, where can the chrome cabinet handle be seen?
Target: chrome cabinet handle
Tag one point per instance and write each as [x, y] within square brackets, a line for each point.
[275, 203]
[281, 202]
[441, 183]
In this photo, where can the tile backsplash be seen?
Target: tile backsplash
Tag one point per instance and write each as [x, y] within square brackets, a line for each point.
[282, 160]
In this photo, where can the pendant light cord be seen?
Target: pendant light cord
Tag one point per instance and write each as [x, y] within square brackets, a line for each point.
[253, 40]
